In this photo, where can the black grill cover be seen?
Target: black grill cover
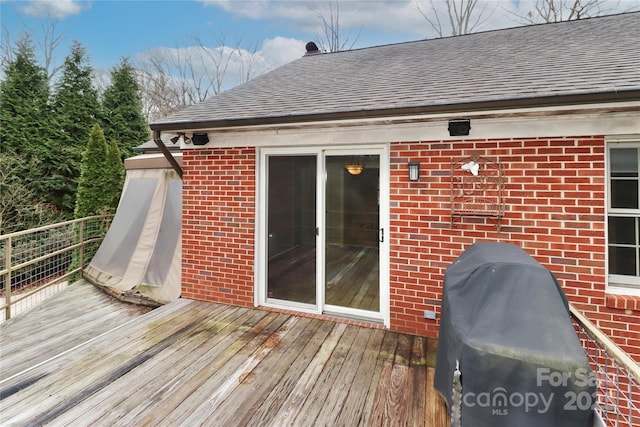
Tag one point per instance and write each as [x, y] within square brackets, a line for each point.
[506, 322]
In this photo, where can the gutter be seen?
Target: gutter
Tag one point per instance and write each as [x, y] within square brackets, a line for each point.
[167, 154]
[465, 107]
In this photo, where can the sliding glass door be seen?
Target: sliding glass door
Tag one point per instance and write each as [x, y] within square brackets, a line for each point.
[352, 231]
[291, 228]
[323, 231]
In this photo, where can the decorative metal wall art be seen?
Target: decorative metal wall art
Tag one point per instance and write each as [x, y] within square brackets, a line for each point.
[477, 185]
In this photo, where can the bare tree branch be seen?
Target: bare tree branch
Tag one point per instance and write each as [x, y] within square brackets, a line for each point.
[434, 20]
[48, 44]
[6, 49]
[545, 11]
[248, 61]
[464, 16]
[173, 78]
[333, 38]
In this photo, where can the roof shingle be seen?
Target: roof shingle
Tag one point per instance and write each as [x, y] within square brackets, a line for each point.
[590, 56]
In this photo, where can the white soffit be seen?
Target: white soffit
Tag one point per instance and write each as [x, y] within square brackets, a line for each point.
[599, 119]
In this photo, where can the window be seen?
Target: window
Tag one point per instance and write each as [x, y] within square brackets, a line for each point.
[623, 217]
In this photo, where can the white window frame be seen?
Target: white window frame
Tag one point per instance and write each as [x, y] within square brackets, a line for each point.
[619, 284]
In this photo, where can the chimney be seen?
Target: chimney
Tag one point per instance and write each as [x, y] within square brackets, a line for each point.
[312, 49]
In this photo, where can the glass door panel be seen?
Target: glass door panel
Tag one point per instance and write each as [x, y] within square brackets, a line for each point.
[291, 228]
[352, 232]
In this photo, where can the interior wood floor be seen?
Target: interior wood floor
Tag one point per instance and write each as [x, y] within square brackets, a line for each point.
[352, 277]
[195, 363]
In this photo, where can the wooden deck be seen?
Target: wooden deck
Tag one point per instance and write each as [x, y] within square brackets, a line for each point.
[82, 358]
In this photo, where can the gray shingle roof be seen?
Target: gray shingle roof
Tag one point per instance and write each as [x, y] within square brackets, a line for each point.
[151, 146]
[591, 57]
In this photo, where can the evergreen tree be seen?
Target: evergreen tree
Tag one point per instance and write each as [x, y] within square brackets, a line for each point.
[28, 131]
[100, 184]
[115, 172]
[24, 97]
[77, 109]
[19, 209]
[95, 192]
[124, 119]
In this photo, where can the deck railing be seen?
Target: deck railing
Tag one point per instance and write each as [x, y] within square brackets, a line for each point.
[38, 262]
[617, 375]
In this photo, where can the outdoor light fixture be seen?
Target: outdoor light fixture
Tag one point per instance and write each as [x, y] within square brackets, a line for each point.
[414, 171]
[459, 127]
[181, 137]
[200, 138]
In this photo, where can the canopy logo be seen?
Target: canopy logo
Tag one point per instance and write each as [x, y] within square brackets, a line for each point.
[500, 401]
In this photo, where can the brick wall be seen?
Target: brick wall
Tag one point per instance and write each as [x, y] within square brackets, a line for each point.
[555, 210]
[218, 224]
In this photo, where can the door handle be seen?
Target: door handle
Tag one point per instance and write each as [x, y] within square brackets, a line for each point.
[381, 235]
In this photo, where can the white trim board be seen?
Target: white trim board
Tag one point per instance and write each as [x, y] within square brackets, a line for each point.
[610, 121]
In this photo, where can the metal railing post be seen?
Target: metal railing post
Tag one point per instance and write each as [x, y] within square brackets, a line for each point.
[618, 375]
[81, 255]
[73, 240]
[7, 278]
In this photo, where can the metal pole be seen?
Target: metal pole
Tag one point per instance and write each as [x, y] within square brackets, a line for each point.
[7, 278]
[81, 255]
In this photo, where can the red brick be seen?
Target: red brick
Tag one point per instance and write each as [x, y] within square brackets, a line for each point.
[554, 190]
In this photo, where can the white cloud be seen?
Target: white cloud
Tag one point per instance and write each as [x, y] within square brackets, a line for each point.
[391, 15]
[203, 64]
[388, 15]
[305, 15]
[298, 11]
[58, 9]
[279, 51]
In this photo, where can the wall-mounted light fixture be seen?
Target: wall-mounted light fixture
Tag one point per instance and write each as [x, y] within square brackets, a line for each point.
[181, 137]
[200, 138]
[459, 127]
[414, 171]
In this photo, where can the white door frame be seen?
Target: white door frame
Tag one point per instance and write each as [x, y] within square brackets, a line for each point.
[261, 231]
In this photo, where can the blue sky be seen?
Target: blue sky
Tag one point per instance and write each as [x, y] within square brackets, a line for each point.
[276, 30]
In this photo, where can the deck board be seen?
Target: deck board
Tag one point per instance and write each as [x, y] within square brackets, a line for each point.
[418, 376]
[278, 394]
[60, 323]
[198, 363]
[175, 363]
[355, 402]
[252, 388]
[325, 384]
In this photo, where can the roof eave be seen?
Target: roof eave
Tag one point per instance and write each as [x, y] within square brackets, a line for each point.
[464, 107]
